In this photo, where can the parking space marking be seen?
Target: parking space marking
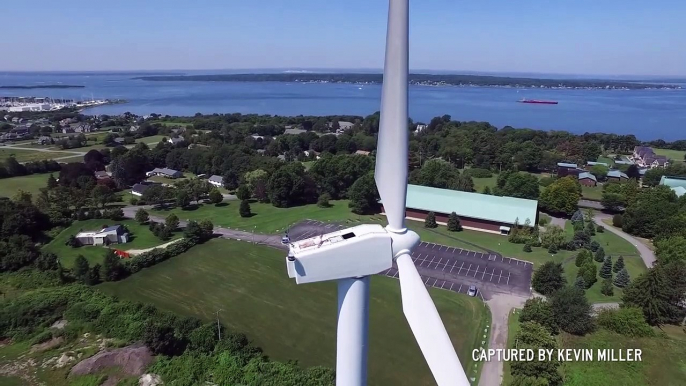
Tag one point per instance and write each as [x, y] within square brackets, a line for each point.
[508, 278]
[476, 270]
[460, 290]
[439, 262]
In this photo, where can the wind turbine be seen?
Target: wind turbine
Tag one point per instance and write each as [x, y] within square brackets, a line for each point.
[351, 255]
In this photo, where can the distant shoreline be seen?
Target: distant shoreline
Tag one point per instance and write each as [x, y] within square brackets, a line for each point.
[419, 79]
[40, 87]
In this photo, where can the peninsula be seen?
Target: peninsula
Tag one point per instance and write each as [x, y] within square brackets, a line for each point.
[40, 86]
[420, 79]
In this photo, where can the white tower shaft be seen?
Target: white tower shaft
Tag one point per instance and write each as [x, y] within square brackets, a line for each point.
[352, 331]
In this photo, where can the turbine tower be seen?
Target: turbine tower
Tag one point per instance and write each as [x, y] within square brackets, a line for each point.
[351, 255]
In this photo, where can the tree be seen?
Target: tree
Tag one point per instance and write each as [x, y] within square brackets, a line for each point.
[539, 311]
[244, 209]
[632, 172]
[590, 229]
[207, 229]
[580, 283]
[112, 268]
[215, 196]
[182, 198]
[606, 268]
[521, 185]
[430, 220]
[617, 220]
[534, 336]
[651, 293]
[607, 289]
[670, 249]
[171, 222]
[363, 195]
[548, 278]
[562, 196]
[600, 171]
[582, 257]
[257, 182]
[142, 216]
[622, 280]
[572, 311]
[612, 201]
[52, 182]
[323, 200]
[599, 255]
[628, 321]
[619, 264]
[454, 223]
[47, 261]
[589, 272]
[487, 190]
[81, 269]
[243, 192]
[527, 248]
[553, 236]
[193, 232]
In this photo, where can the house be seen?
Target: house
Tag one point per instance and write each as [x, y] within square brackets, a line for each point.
[115, 234]
[481, 212]
[67, 130]
[420, 128]
[294, 131]
[140, 188]
[164, 172]
[15, 120]
[175, 141]
[568, 169]
[44, 140]
[616, 176]
[591, 164]
[119, 140]
[587, 179]
[646, 157]
[260, 151]
[362, 152]
[281, 157]
[20, 131]
[216, 180]
[256, 137]
[311, 152]
[101, 175]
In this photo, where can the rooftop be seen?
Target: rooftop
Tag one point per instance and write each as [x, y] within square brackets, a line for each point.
[616, 174]
[592, 163]
[474, 205]
[673, 182]
[679, 190]
[567, 165]
[587, 175]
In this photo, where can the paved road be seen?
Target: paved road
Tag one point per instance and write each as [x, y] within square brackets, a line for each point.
[646, 254]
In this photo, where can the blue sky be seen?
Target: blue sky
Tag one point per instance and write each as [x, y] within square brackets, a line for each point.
[570, 37]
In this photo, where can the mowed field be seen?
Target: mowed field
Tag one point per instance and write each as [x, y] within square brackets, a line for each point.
[31, 184]
[675, 155]
[29, 155]
[250, 286]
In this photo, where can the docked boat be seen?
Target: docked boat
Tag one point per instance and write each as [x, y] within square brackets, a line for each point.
[524, 100]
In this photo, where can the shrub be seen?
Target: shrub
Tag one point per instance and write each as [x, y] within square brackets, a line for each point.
[133, 201]
[628, 321]
[617, 220]
[589, 271]
[599, 255]
[454, 223]
[430, 220]
[323, 200]
[543, 221]
[545, 181]
[582, 257]
[527, 247]
[244, 209]
[600, 229]
[595, 246]
[73, 242]
[552, 249]
[44, 336]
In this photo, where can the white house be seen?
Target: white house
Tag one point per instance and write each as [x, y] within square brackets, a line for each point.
[115, 234]
[216, 180]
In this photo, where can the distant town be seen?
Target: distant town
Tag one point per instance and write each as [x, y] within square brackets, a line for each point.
[27, 104]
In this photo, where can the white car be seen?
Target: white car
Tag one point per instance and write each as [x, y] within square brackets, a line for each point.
[285, 240]
[472, 290]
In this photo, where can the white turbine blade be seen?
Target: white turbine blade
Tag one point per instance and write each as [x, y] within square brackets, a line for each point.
[427, 327]
[392, 145]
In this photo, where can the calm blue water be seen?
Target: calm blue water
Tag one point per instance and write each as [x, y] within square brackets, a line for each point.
[648, 114]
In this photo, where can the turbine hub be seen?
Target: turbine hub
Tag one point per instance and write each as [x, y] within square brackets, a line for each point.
[402, 241]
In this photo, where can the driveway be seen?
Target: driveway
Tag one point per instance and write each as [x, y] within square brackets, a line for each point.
[646, 254]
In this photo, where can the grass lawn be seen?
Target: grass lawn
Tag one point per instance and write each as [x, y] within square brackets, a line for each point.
[76, 158]
[592, 192]
[31, 183]
[152, 140]
[142, 238]
[609, 161]
[662, 362]
[28, 155]
[481, 183]
[675, 155]
[249, 284]
[512, 329]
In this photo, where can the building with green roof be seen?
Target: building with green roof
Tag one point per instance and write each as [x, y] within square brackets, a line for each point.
[677, 184]
[477, 211]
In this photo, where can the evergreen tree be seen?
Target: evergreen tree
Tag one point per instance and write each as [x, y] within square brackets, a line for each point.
[619, 264]
[244, 209]
[81, 269]
[454, 223]
[430, 221]
[52, 182]
[112, 268]
[171, 222]
[582, 257]
[589, 272]
[548, 278]
[607, 288]
[487, 190]
[599, 255]
[93, 276]
[590, 229]
[527, 247]
[622, 279]
[580, 283]
[606, 269]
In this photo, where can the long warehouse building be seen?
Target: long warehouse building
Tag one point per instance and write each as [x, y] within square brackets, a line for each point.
[481, 212]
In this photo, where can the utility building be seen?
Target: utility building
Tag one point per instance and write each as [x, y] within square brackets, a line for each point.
[481, 212]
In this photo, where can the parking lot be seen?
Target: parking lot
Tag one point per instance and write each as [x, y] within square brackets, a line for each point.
[449, 268]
